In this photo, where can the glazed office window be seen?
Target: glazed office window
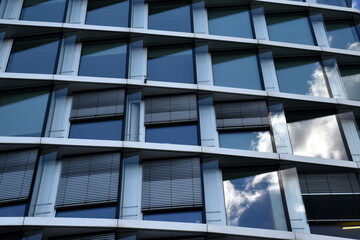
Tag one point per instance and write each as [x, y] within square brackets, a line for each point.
[44, 10]
[170, 16]
[253, 199]
[291, 28]
[342, 34]
[22, 113]
[301, 76]
[161, 198]
[88, 186]
[16, 176]
[244, 125]
[98, 115]
[103, 59]
[172, 119]
[316, 133]
[232, 22]
[93, 236]
[34, 55]
[171, 64]
[350, 76]
[332, 201]
[339, 3]
[108, 13]
[240, 70]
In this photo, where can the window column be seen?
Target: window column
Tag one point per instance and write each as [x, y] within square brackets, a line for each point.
[318, 26]
[268, 71]
[76, 12]
[209, 137]
[10, 9]
[259, 20]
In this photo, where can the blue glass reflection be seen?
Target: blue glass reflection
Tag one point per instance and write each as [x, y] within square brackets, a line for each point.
[340, 3]
[45, 10]
[246, 140]
[178, 134]
[23, 113]
[290, 28]
[108, 13]
[186, 216]
[103, 59]
[34, 55]
[301, 77]
[240, 70]
[254, 201]
[233, 22]
[351, 80]
[172, 16]
[342, 34]
[100, 212]
[104, 130]
[16, 210]
[174, 64]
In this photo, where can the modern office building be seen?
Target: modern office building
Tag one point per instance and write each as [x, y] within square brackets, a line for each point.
[179, 119]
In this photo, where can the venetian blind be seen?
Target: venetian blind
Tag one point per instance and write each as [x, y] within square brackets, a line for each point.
[89, 179]
[16, 174]
[98, 104]
[171, 183]
[171, 109]
[241, 114]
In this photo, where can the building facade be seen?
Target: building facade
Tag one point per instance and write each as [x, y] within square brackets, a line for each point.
[183, 119]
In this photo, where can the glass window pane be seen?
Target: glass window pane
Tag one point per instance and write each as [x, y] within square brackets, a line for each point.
[340, 3]
[44, 10]
[23, 114]
[253, 200]
[336, 229]
[233, 22]
[34, 55]
[104, 130]
[13, 210]
[175, 64]
[301, 77]
[342, 34]
[183, 216]
[108, 13]
[247, 140]
[103, 59]
[240, 70]
[351, 80]
[178, 134]
[316, 136]
[170, 16]
[293, 28]
[99, 212]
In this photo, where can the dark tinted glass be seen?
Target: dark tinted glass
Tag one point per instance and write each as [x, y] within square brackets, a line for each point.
[336, 229]
[301, 77]
[34, 55]
[247, 140]
[253, 200]
[44, 10]
[342, 34]
[294, 28]
[17, 210]
[341, 3]
[103, 59]
[351, 79]
[233, 22]
[104, 130]
[100, 212]
[108, 13]
[239, 70]
[173, 64]
[170, 16]
[23, 114]
[186, 216]
[178, 134]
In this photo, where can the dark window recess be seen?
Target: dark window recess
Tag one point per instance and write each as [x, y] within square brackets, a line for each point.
[34, 55]
[161, 195]
[337, 229]
[98, 115]
[88, 186]
[172, 119]
[108, 13]
[44, 10]
[170, 16]
[94, 236]
[16, 175]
